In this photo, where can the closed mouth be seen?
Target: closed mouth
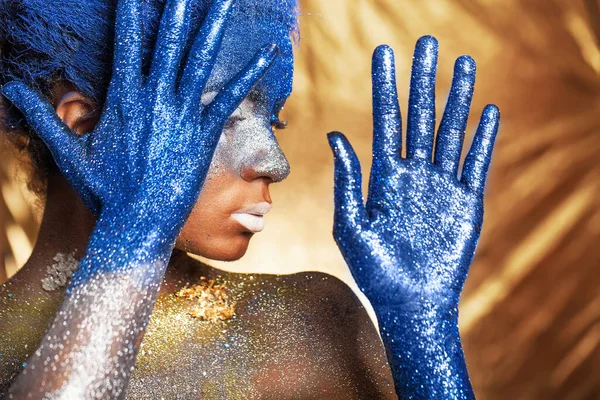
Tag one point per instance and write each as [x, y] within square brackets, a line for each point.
[253, 223]
[252, 217]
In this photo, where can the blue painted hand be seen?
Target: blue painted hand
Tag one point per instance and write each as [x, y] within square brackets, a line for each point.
[409, 248]
[141, 170]
[155, 140]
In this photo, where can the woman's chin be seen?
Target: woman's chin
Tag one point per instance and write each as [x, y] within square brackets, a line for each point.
[219, 249]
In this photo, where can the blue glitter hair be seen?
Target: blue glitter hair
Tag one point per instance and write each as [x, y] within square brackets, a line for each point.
[47, 42]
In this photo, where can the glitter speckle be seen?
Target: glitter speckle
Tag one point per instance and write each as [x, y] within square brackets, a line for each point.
[59, 273]
[140, 170]
[209, 301]
[314, 338]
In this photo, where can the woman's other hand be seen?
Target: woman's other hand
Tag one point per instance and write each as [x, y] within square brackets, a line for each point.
[409, 248]
[414, 240]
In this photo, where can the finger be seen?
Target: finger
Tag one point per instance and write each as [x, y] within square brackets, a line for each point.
[127, 66]
[480, 154]
[387, 136]
[228, 99]
[454, 122]
[421, 102]
[204, 51]
[349, 206]
[172, 34]
[42, 118]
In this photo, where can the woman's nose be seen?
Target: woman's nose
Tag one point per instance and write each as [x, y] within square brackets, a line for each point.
[269, 162]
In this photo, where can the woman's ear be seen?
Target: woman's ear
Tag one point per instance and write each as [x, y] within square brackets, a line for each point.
[77, 111]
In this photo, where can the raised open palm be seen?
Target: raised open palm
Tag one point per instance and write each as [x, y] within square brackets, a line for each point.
[413, 241]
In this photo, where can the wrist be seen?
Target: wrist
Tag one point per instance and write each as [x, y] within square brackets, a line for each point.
[427, 324]
[423, 346]
[423, 310]
[124, 239]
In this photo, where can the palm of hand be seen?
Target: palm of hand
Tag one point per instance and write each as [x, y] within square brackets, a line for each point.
[421, 233]
[154, 142]
[415, 238]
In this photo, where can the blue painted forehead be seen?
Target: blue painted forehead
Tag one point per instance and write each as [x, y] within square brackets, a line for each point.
[248, 31]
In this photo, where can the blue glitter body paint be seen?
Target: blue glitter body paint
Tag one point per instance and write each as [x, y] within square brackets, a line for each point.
[409, 248]
[142, 167]
[140, 170]
[150, 151]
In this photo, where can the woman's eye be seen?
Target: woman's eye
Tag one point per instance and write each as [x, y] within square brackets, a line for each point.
[277, 124]
[234, 119]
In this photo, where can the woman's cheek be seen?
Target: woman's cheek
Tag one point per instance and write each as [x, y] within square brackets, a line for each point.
[224, 159]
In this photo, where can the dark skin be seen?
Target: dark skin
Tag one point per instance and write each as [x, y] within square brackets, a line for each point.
[300, 336]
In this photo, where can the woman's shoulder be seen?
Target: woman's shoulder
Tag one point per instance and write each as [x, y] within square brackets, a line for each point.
[320, 299]
[330, 293]
[24, 295]
[26, 310]
[306, 291]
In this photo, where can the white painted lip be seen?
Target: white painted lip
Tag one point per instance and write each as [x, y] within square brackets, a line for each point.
[251, 217]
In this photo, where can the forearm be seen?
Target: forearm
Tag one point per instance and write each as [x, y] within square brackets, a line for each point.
[425, 353]
[90, 348]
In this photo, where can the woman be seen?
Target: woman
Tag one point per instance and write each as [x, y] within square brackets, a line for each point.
[139, 166]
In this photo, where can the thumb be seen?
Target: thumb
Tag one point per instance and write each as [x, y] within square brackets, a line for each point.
[349, 206]
[42, 118]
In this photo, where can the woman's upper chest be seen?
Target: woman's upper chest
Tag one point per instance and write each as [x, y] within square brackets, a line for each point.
[297, 337]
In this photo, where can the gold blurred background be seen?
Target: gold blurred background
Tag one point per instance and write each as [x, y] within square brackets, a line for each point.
[530, 312]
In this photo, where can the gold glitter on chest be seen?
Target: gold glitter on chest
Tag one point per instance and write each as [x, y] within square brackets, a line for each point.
[208, 301]
[235, 336]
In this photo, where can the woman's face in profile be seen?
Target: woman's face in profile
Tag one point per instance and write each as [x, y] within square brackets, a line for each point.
[235, 196]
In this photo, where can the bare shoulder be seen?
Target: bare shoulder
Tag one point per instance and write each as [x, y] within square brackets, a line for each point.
[318, 298]
[335, 306]
[289, 336]
[26, 309]
[337, 322]
[329, 294]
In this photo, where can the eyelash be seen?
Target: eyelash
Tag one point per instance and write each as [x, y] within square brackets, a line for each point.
[278, 124]
[232, 121]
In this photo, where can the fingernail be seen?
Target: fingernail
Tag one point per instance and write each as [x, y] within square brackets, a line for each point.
[492, 111]
[334, 139]
[466, 63]
[10, 90]
[428, 41]
[272, 49]
[385, 50]
[426, 53]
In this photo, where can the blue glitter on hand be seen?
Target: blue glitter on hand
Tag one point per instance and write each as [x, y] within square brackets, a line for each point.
[151, 150]
[141, 170]
[146, 115]
[410, 247]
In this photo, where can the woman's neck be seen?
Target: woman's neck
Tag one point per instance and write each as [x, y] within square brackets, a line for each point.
[65, 228]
